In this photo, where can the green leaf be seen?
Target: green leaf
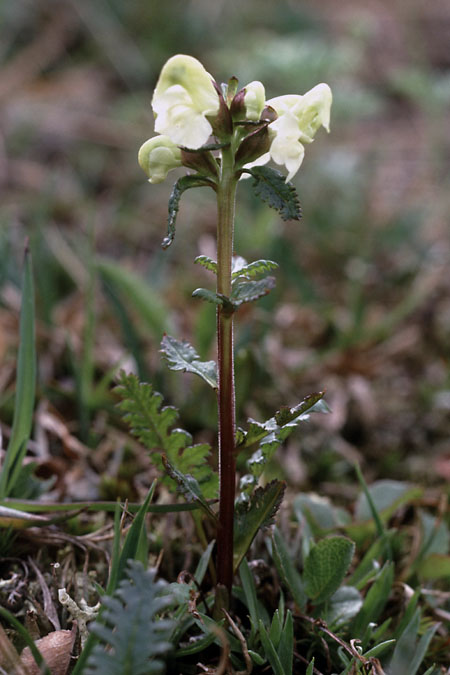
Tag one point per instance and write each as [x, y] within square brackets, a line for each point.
[319, 513]
[254, 269]
[25, 385]
[254, 514]
[256, 658]
[258, 430]
[276, 628]
[409, 653]
[256, 609]
[286, 414]
[271, 435]
[248, 291]
[375, 601]
[386, 496]
[151, 424]
[271, 187]
[180, 355]
[326, 566]
[310, 668]
[215, 298]
[206, 262]
[189, 487]
[379, 649]
[407, 614]
[285, 648]
[184, 183]
[270, 651]
[131, 543]
[343, 606]
[286, 569]
[133, 638]
[203, 562]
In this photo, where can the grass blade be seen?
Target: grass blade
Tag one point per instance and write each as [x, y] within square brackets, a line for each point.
[25, 385]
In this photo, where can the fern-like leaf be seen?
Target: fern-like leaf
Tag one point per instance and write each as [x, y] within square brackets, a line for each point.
[270, 186]
[151, 424]
[133, 639]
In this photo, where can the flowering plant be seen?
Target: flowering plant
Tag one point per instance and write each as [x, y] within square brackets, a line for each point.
[222, 134]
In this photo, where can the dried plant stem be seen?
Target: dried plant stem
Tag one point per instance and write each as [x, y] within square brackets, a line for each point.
[226, 194]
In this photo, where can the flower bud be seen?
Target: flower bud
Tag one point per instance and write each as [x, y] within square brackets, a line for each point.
[253, 147]
[183, 99]
[157, 157]
[249, 103]
[201, 161]
[254, 100]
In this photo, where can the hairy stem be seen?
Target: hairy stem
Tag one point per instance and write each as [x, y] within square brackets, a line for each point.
[226, 398]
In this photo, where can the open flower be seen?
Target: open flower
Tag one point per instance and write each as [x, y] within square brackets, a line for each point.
[299, 117]
[158, 156]
[184, 98]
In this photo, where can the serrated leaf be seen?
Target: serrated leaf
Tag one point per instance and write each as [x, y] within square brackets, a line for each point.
[248, 291]
[254, 269]
[189, 487]
[252, 515]
[259, 430]
[216, 298]
[271, 435]
[151, 424]
[206, 262]
[326, 566]
[184, 183]
[286, 414]
[180, 355]
[271, 187]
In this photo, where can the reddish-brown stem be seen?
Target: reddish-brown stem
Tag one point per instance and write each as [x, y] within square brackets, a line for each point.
[226, 400]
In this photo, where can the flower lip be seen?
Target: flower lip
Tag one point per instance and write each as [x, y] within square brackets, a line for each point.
[298, 120]
[185, 95]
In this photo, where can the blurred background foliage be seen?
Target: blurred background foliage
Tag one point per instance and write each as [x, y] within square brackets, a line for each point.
[362, 303]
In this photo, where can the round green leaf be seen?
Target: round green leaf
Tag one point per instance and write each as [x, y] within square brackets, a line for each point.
[326, 567]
